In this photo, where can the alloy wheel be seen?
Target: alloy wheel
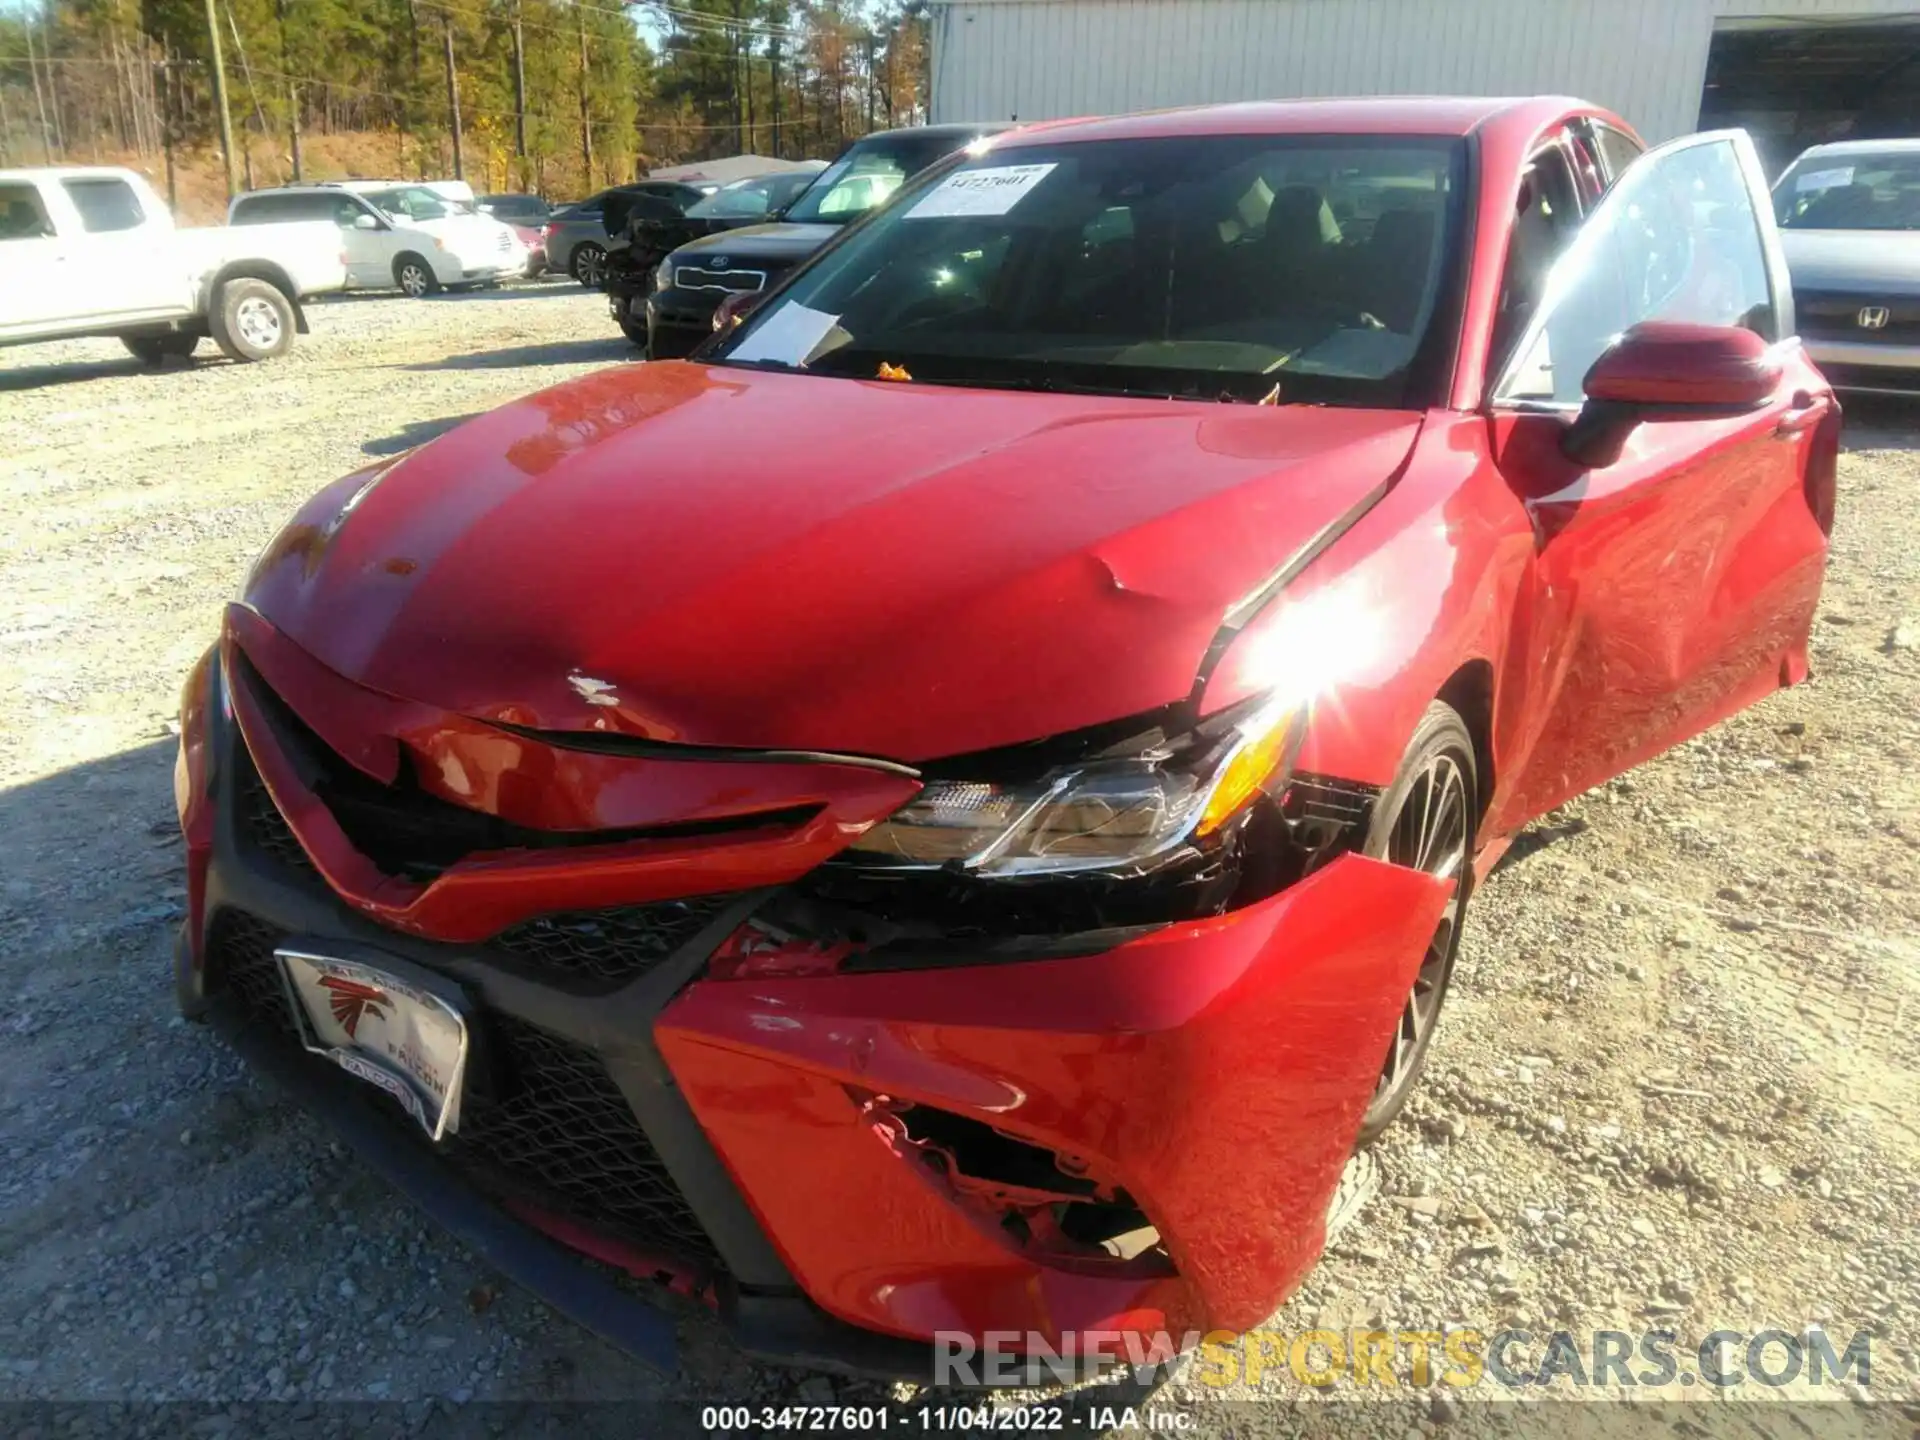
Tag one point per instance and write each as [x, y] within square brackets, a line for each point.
[1431, 833]
[413, 280]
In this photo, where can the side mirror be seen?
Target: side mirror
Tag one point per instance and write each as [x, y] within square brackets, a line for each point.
[1667, 369]
[365, 222]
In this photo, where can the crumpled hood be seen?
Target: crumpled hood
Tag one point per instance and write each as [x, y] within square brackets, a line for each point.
[733, 557]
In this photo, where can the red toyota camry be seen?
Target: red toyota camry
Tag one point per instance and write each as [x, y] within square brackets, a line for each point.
[952, 812]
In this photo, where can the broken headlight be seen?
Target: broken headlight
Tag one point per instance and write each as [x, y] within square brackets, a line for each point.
[1110, 814]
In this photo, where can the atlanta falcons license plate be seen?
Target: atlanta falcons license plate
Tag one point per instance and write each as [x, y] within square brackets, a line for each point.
[380, 1029]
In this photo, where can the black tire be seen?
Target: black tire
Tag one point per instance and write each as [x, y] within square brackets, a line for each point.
[1427, 819]
[589, 265]
[251, 320]
[414, 276]
[156, 349]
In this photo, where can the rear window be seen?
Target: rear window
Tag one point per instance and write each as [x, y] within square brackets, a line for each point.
[272, 209]
[514, 207]
[105, 204]
[22, 216]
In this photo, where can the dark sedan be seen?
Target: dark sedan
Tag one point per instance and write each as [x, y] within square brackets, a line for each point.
[580, 235]
[650, 238]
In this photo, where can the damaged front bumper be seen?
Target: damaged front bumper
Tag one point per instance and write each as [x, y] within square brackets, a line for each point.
[1136, 1140]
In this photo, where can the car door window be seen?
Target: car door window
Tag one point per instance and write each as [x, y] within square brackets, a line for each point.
[1545, 219]
[1678, 238]
[1618, 150]
[105, 204]
[22, 216]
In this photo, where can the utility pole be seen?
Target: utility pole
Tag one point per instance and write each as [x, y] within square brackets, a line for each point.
[6, 128]
[519, 98]
[293, 90]
[736, 42]
[40, 100]
[779, 153]
[453, 98]
[586, 107]
[869, 82]
[220, 94]
[166, 126]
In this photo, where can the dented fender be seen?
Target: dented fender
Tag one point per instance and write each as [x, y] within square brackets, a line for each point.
[1218, 1070]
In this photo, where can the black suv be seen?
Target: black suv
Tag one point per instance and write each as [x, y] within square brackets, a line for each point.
[671, 311]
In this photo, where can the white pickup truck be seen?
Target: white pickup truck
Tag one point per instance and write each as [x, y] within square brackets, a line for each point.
[93, 251]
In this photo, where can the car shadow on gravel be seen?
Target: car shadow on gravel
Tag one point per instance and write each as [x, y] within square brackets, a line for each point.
[545, 287]
[561, 352]
[36, 377]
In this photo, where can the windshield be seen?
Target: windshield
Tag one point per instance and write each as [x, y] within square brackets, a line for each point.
[750, 199]
[1850, 192]
[412, 202]
[866, 176]
[1267, 268]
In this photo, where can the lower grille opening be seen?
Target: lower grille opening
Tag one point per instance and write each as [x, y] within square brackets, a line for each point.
[1051, 1205]
[543, 1122]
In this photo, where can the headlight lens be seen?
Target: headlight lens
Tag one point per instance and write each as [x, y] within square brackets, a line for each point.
[663, 275]
[1103, 815]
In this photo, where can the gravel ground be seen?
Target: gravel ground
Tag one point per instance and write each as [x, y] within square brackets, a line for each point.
[1677, 1085]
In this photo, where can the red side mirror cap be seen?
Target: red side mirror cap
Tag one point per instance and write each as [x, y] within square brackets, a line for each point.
[1663, 363]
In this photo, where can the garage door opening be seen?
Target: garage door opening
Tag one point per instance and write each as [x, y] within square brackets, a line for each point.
[1799, 83]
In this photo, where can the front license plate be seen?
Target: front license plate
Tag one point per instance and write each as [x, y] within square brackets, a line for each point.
[378, 1028]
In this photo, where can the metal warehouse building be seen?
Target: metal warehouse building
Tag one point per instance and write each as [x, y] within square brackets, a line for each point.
[1792, 71]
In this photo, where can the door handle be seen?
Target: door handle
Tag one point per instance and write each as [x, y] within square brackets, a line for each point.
[1804, 413]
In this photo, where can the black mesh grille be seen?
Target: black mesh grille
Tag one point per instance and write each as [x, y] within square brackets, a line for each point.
[240, 957]
[543, 1122]
[265, 828]
[613, 945]
[557, 1132]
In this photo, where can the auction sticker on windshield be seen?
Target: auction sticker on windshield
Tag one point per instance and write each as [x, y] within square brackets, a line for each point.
[379, 1029]
[992, 191]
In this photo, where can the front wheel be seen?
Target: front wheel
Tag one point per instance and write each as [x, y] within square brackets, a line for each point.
[590, 266]
[1426, 821]
[251, 320]
[156, 349]
[414, 277]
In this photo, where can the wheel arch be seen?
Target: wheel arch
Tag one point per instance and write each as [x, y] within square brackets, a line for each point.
[255, 269]
[1469, 690]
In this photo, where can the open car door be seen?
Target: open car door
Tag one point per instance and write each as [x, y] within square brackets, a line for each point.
[1673, 447]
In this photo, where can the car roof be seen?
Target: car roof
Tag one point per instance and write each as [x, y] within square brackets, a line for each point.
[1905, 145]
[1456, 115]
[70, 172]
[953, 130]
